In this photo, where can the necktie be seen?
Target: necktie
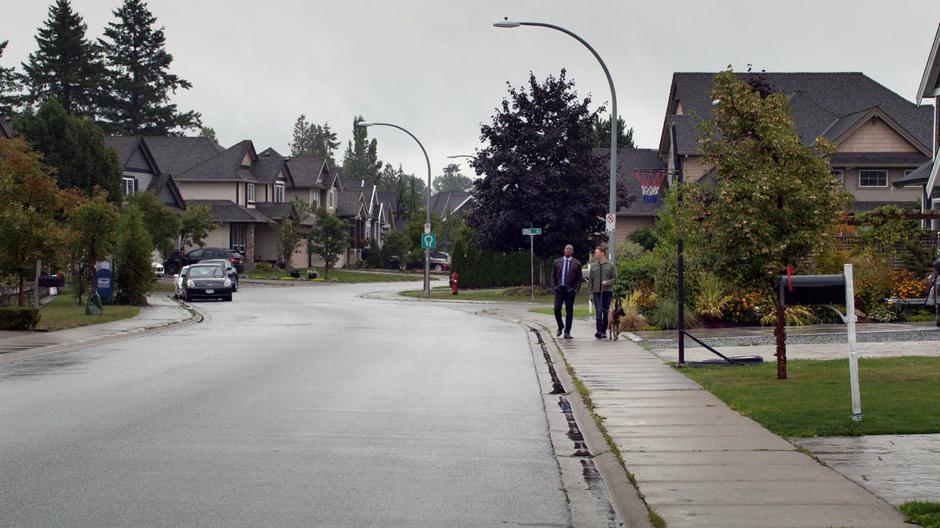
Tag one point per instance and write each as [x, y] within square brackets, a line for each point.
[564, 274]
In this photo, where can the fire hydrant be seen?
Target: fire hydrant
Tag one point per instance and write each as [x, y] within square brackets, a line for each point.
[453, 282]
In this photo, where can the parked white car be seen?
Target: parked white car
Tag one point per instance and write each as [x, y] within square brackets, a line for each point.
[179, 283]
[157, 269]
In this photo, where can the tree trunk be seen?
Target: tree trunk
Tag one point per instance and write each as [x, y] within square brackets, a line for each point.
[781, 334]
[21, 295]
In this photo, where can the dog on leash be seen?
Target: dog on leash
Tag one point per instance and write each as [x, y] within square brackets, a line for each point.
[614, 317]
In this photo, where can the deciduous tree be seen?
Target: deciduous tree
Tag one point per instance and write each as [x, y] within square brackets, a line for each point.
[67, 66]
[774, 200]
[290, 231]
[29, 203]
[539, 170]
[328, 238]
[162, 224]
[195, 225]
[93, 227]
[138, 83]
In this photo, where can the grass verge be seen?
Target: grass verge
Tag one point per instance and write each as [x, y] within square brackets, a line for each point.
[162, 287]
[338, 275]
[62, 313]
[898, 395]
[925, 513]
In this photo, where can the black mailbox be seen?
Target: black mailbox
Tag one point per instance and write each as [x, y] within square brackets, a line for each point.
[812, 289]
[51, 281]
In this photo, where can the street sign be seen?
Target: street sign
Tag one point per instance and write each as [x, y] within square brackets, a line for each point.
[428, 241]
[427, 228]
[532, 231]
[611, 221]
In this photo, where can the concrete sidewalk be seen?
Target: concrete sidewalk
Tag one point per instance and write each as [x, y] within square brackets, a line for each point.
[697, 462]
[162, 312]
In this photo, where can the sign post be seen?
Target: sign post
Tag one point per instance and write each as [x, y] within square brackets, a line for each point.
[532, 232]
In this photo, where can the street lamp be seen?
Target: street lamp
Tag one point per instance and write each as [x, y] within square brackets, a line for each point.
[427, 221]
[612, 237]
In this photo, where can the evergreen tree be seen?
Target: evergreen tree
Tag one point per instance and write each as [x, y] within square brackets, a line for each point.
[361, 160]
[67, 66]
[323, 142]
[138, 82]
[452, 180]
[74, 146]
[600, 131]
[302, 140]
[9, 87]
[134, 276]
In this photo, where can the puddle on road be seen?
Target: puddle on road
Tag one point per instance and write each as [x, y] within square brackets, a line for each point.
[41, 366]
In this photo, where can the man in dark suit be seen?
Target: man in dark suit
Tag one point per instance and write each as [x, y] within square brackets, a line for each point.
[566, 276]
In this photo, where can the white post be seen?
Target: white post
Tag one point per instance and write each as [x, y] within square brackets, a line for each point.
[853, 356]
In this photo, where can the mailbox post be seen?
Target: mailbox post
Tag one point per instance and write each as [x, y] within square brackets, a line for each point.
[829, 290]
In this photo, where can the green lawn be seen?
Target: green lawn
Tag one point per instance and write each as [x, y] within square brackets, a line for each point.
[339, 275]
[63, 312]
[495, 295]
[925, 513]
[899, 395]
[162, 287]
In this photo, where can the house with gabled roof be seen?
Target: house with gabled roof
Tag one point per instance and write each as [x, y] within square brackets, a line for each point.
[880, 137]
[926, 178]
[449, 203]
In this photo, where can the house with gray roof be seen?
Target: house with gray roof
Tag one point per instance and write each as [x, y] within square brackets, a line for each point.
[926, 178]
[448, 203]
[880, 137]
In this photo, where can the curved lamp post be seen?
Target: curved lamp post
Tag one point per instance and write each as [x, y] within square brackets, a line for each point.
[427, 251]
[612, 236]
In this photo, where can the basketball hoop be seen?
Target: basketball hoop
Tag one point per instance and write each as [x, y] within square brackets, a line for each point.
[650, 182]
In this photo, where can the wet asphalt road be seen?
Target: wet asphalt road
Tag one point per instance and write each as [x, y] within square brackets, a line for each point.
[304, 406]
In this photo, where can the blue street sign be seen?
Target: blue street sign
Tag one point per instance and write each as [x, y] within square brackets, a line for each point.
[428, 241]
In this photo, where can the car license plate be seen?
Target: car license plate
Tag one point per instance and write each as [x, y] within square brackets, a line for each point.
[210, 291]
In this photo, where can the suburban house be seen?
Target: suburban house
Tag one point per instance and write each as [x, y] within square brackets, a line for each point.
[449, 203]
[880, 137]
[925, 177]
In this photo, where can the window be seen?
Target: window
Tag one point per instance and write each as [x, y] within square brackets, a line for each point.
[236, 238]
[329, 198]
[130, 186]
[278, 192]
[251, 193]
[873, 178]
[315, 198]
[840, 175]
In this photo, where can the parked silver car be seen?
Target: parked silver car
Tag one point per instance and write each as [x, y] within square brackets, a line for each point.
[230, 270]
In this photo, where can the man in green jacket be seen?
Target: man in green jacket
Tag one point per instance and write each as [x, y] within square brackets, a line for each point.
[601, 281]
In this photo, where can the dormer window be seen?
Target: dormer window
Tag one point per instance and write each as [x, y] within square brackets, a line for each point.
[129, 185]
[330, 195]
[250, 193]
[278, 192]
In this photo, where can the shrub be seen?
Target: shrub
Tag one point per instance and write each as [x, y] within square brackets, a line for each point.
[643, 236]
[635, 272]
[666, 315]
[741, 308]
[906, 286]
[711, 297]
[792, 315]
[18, 318]
[881, 313]
[263, 266]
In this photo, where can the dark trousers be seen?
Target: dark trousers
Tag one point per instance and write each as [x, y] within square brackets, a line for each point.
[601, 307]
[566, 296]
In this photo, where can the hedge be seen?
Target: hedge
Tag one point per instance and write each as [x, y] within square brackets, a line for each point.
[487, 269]
[16, 318]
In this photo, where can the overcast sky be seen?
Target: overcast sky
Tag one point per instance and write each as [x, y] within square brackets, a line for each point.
[439, 68]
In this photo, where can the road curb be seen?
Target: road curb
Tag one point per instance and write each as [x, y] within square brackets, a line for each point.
[626, 500]
[195, 317]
